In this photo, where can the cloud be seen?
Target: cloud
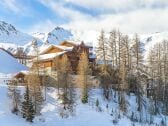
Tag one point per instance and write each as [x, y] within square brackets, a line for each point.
[139, 21]
[44, 26]
[11, 5]
[62, 10]
[139, 16]
[18, 8]
[118, 4]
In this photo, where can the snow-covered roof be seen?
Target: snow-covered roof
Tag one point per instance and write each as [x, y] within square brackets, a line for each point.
[43, 49]
[65, 48]
[71, 42]
[25, 72]
[49, 56]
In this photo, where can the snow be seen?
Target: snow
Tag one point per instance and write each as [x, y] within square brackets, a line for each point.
[49, 56]
[65, 48]
[25, 72]
[83, 114]
[151, 39]
[9, 64]
[45, 47]
[50, 113]
[8, 46]
[11, 39]
[41, 36]
[29, 47]
[55, 37]
[59, 35]
[9, 34]
[90, 37]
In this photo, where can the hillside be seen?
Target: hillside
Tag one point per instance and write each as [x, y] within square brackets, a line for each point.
[9, 34]
[11, 38]
[56, 36]
[151, 39]
[53, 112]
[9, 64]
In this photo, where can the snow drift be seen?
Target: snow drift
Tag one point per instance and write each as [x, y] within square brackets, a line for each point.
[9, 64]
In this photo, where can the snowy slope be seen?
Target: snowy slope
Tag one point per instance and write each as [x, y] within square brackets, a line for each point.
[151, 39]
[56, 36]
[41, 36]
[9, 64]
[81, 114]
[9, 34]
[29, 47]
[11, 38]
[89, 37]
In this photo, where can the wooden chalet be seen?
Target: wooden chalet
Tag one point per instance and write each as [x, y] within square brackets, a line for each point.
[68, 44]
[48, 56]
[21, 76]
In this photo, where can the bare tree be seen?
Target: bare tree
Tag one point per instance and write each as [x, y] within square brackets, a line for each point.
[102, 53]
[83, 72]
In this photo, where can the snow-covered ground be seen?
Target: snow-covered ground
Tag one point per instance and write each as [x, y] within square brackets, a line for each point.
[82, 115]
[9, 64]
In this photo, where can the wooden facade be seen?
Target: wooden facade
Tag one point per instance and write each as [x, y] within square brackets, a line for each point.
[20, 77]
[52, 49]
[46, 64]
[73, 55]
[68, 44]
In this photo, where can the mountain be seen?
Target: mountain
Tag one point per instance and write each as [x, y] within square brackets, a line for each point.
[9, 64]
[11, 39]
[41, 36]
[9, 34]
[151, 39]
[56, 36]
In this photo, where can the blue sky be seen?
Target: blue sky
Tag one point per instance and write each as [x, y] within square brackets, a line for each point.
[141, 16]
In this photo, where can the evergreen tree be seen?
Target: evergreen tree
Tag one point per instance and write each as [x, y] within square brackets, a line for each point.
[28, 111]
[97, 103]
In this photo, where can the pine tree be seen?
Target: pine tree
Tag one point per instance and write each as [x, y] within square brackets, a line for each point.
[28, 111]
[97, 103]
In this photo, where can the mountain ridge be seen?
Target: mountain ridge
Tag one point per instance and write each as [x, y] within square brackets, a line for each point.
[11, 38]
